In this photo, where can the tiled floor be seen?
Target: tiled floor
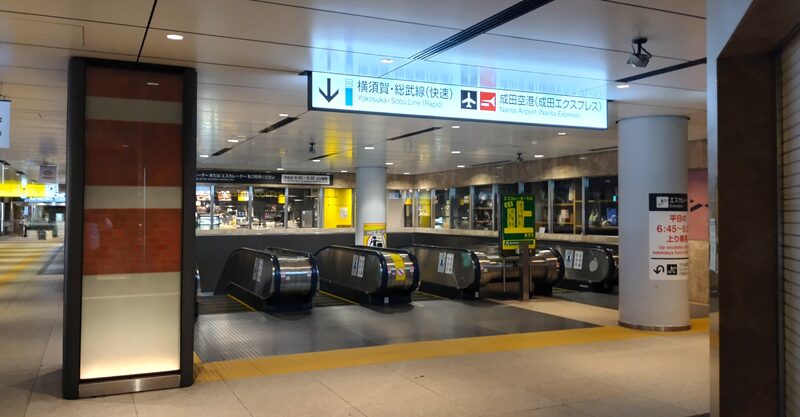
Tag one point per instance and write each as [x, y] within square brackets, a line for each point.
[594, 374]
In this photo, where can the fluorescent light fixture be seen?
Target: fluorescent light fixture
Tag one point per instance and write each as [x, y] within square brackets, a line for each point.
[562, 133]
[455, 152]
[204, 156]
[583, 158]
[621, 86]
[407, 173]
[283, 115]
[152, 83]
[233, 140]
[387, 61]
[279, 169]
[538, 156]
[390, 163]
[174, 37]
[315, 160]
[369, 148]
[343, 171]
[460, 166]
[455, 127]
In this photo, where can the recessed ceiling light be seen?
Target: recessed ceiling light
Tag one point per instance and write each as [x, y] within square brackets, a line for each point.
[455, 127]
[390, 163]
[387, 61]
[241, 136]
[583, 158]
[343, 171]
[460, 166]
[279, 169]
[315, 160]
[623, 86]
[233, 140]
[455, 152]
[174, 37]
[203, 156]
[406, 173]
[153, 83]
[538, 156]
[283, 115]
[562, 133]
[369, 148]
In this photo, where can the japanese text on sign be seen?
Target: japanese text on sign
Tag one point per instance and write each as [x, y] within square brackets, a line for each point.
[669, 237]
[517, 221]
[352, 93]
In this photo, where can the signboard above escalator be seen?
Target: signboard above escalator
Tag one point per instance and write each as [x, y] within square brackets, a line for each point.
[255, 177]
[357, 94]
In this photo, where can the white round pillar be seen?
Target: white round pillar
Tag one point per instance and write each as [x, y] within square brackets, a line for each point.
[653, 223]
[371, 206]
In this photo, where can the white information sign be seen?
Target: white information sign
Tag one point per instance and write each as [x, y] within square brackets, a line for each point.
[448, 268]
[578, 262]
[352, 93]
[5, 123]
[568, 258]
[361, 261]
[669, 237]
[442, 260]
[354, 266]
[306, 179]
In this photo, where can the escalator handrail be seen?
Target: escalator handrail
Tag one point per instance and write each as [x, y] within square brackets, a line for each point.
[312, 262]
[612, 264]
[367, 249]
[475, 262]
[272, 258]
[411, 256]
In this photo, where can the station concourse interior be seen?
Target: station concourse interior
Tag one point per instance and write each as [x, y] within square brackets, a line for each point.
[543, 208]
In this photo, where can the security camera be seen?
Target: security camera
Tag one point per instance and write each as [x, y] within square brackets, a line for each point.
[640, 56]
[311, 148]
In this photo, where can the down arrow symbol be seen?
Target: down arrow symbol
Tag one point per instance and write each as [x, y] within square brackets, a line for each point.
[329, 96]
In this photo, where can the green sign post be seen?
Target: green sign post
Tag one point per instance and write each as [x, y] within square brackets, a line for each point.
[516, 221]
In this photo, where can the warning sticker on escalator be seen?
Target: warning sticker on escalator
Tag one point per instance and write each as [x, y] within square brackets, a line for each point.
[448, 267]
[399, 267]
[357, 268]
[441, 264]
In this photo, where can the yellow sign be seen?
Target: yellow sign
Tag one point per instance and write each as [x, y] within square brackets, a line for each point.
[15, 189]
[517, 221]
[375, 235]
[399, 267]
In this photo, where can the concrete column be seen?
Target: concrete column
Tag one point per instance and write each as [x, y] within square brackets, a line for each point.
[371, 206]
[653, 282]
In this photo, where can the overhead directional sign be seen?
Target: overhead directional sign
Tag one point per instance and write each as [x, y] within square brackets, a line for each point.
[357, 94]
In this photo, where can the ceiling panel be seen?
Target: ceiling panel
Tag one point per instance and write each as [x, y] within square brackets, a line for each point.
[607, 25]
[690, 7]
[295, 26]
[129, 12]
[458, 14]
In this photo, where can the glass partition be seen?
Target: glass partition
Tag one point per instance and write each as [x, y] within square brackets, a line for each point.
[461, 204]
[441, 209]
[231, 207]
[567, 206]
[483, 208]
[268, 206]
[399, 209]
[203, 208]
[601, 206]
[541, 204]
[302, 207]
[424, 208]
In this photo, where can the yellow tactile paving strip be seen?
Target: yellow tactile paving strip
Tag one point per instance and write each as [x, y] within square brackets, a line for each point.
[373, 355]
[16, 257]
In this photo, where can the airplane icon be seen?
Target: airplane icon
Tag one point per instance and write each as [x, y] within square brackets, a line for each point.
[488, 103]
[467, 100]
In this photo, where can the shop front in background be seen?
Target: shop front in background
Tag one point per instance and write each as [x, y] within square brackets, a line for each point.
[228, 200]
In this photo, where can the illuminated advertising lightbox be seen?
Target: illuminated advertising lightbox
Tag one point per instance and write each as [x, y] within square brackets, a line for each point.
[357, 94]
